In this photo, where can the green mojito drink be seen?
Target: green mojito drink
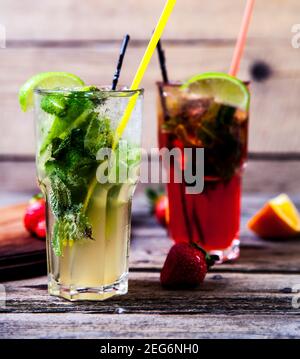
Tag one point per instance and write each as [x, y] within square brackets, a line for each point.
[88, 187]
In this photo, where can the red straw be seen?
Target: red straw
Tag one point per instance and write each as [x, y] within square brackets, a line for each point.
[241, 41]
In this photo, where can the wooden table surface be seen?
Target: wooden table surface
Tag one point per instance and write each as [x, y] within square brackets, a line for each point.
[251, 298]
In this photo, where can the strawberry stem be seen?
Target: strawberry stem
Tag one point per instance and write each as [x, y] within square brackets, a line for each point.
[210, 259]
[38, 196]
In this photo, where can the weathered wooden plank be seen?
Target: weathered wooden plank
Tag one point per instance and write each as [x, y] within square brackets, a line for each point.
[225, 293]
[272, 177]
[106, 19]
[257, 256]
[97, 66]
[109, 326]
[17, 178]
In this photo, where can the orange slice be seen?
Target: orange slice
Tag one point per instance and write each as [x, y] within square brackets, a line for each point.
[278, 218]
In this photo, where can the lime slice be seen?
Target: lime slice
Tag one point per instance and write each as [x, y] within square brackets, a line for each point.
[225, 89]
[46, 80]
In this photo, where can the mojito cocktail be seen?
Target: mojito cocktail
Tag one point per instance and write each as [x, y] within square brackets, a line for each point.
[88, 192]
[203, 116]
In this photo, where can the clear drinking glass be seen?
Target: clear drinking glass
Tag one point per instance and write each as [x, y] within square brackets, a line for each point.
[210, 218]
[88, 203]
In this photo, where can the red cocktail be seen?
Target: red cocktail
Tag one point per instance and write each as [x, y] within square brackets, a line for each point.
[188, 120]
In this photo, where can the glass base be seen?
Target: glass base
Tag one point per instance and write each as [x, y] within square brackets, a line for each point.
[74, 293]
[229, 254]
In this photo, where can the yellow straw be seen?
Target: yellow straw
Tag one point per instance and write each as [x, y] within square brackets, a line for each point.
[164, 17]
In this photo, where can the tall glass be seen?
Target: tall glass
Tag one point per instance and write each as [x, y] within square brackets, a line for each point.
[210, 218]
[88, 203]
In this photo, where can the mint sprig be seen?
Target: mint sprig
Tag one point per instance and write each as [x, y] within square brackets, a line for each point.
[76, 135]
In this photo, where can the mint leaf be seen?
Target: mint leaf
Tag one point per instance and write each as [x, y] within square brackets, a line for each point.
[70, 170]
[98, 134]
[73, 226]
[69, 112]
[60, 196]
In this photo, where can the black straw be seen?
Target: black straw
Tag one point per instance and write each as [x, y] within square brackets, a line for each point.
[162, 62]
[120, 62]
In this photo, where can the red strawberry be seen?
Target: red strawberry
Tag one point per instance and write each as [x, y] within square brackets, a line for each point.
[158, 204]
[35, 212]
[40, 229]
[186, 266]
[161, 210]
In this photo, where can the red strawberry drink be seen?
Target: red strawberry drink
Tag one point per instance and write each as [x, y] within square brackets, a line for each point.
[210, 114]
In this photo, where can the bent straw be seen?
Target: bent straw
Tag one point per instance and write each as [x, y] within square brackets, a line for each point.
[241, 41]
[120, 61]
[164, 17]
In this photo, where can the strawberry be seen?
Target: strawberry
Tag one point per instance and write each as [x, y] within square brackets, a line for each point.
[159, 205]
[40, 229]
[35, 212]
[186, 266]
[161, 210]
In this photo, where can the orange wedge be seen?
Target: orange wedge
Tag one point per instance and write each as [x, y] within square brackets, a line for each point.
[278, 218]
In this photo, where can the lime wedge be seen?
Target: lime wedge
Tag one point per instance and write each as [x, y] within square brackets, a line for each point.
[225, 89]
[46, 80]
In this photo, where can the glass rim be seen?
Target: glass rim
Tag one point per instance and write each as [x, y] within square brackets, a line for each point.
[179, 83]
[102, 91]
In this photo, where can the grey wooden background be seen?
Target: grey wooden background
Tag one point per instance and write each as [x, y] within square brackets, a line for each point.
[83, 38]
